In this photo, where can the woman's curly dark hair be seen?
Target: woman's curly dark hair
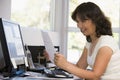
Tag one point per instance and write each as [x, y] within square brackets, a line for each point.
[91, 11]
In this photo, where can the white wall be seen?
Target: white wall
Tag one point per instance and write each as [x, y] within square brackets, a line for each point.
[32, 36]
[5, 9]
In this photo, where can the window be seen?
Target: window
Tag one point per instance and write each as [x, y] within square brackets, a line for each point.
[47, 15]
[76, 41]
[32, 13]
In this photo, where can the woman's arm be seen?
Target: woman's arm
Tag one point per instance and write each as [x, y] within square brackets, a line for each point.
[102, 59]
[82, 62]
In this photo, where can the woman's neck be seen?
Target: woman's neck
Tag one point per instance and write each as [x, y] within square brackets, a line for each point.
[94, 39]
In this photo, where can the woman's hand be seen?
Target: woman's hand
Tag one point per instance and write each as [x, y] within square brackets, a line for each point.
[46, 55]
[60, 60]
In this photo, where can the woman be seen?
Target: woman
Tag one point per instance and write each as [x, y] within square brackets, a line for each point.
[101, 52]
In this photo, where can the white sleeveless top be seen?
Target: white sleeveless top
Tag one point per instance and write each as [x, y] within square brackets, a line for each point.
[113, 69]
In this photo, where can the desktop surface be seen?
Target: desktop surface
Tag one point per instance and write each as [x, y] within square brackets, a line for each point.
[40, 76]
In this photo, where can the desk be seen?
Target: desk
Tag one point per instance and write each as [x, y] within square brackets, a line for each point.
[39, 76]
[26, 78]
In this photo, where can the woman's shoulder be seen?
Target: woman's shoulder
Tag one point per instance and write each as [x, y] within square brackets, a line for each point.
[107, 38]
[109, 41]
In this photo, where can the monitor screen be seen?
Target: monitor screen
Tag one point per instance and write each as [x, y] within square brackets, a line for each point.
[11, 43]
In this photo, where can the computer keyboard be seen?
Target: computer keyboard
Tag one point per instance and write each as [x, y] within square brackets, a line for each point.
[57, 73]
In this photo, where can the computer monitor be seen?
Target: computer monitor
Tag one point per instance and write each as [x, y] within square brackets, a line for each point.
[11, 45]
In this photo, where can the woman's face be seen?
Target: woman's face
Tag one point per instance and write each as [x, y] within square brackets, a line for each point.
[86, 27]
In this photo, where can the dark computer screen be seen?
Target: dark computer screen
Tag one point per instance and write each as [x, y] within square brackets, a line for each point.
[37, 51]
[11, 43]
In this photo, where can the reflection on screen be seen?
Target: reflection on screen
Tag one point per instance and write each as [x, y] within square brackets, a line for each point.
[14, 40]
